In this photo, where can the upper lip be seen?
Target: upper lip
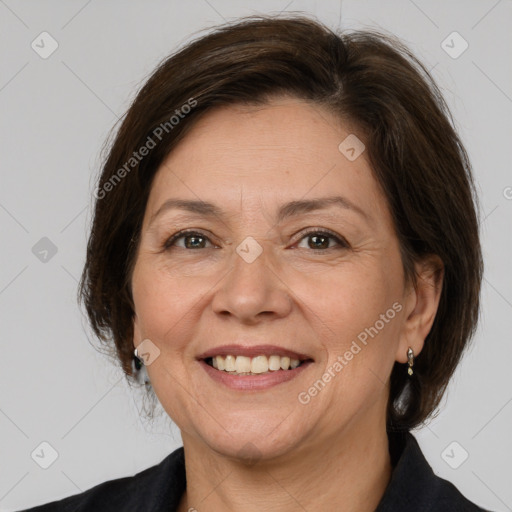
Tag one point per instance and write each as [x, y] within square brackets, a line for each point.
[253, 351]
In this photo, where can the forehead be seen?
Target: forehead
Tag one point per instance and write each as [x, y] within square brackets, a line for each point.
[247, 156]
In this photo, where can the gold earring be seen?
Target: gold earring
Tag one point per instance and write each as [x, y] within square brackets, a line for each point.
[410, 360]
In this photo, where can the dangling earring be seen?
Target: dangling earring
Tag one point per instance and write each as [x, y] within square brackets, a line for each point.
[410, 360]
[141, 373]
[136, 361]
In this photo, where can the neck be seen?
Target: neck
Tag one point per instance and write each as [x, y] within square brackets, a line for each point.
[349, 473]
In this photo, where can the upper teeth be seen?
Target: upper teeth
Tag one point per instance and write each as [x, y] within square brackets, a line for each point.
[258, 364]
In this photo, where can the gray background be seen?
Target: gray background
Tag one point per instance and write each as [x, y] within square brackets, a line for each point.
[56, 113]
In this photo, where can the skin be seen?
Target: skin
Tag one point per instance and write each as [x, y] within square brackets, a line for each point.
[264, 450]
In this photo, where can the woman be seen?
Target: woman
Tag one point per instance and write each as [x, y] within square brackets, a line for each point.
[285, 235]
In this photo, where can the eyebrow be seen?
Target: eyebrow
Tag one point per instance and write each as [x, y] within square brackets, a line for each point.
[290, 209]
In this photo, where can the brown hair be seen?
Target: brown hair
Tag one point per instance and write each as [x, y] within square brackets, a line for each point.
[368, 79]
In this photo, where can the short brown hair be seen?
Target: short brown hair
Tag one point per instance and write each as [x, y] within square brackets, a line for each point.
[366, 78]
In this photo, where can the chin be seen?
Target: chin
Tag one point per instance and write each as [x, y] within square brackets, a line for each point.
[253, 438]
[244, 450]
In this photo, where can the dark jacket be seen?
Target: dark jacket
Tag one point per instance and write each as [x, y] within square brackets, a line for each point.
[413, 487]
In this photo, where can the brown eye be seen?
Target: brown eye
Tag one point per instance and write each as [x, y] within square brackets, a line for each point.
[319, 241]
[322, 240]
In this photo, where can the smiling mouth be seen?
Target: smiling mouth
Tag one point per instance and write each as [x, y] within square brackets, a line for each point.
[258, 365]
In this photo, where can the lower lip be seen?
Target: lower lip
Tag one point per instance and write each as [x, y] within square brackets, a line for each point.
[253, 382]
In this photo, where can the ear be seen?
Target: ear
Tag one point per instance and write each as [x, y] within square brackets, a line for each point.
[421, 303]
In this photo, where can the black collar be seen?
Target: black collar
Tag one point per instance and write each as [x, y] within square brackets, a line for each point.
[413, 486]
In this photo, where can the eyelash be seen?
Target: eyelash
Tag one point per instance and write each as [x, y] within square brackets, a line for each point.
[343, 244]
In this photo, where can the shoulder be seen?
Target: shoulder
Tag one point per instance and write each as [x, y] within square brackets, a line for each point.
[415, 486]
[156, 488]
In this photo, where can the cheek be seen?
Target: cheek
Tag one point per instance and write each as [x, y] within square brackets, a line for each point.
[349, 298]
[163, 304]
[357, 310]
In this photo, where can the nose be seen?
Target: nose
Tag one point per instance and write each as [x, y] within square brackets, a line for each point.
[252, 291]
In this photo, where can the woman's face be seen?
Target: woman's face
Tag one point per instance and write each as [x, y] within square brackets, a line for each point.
[293, 254]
